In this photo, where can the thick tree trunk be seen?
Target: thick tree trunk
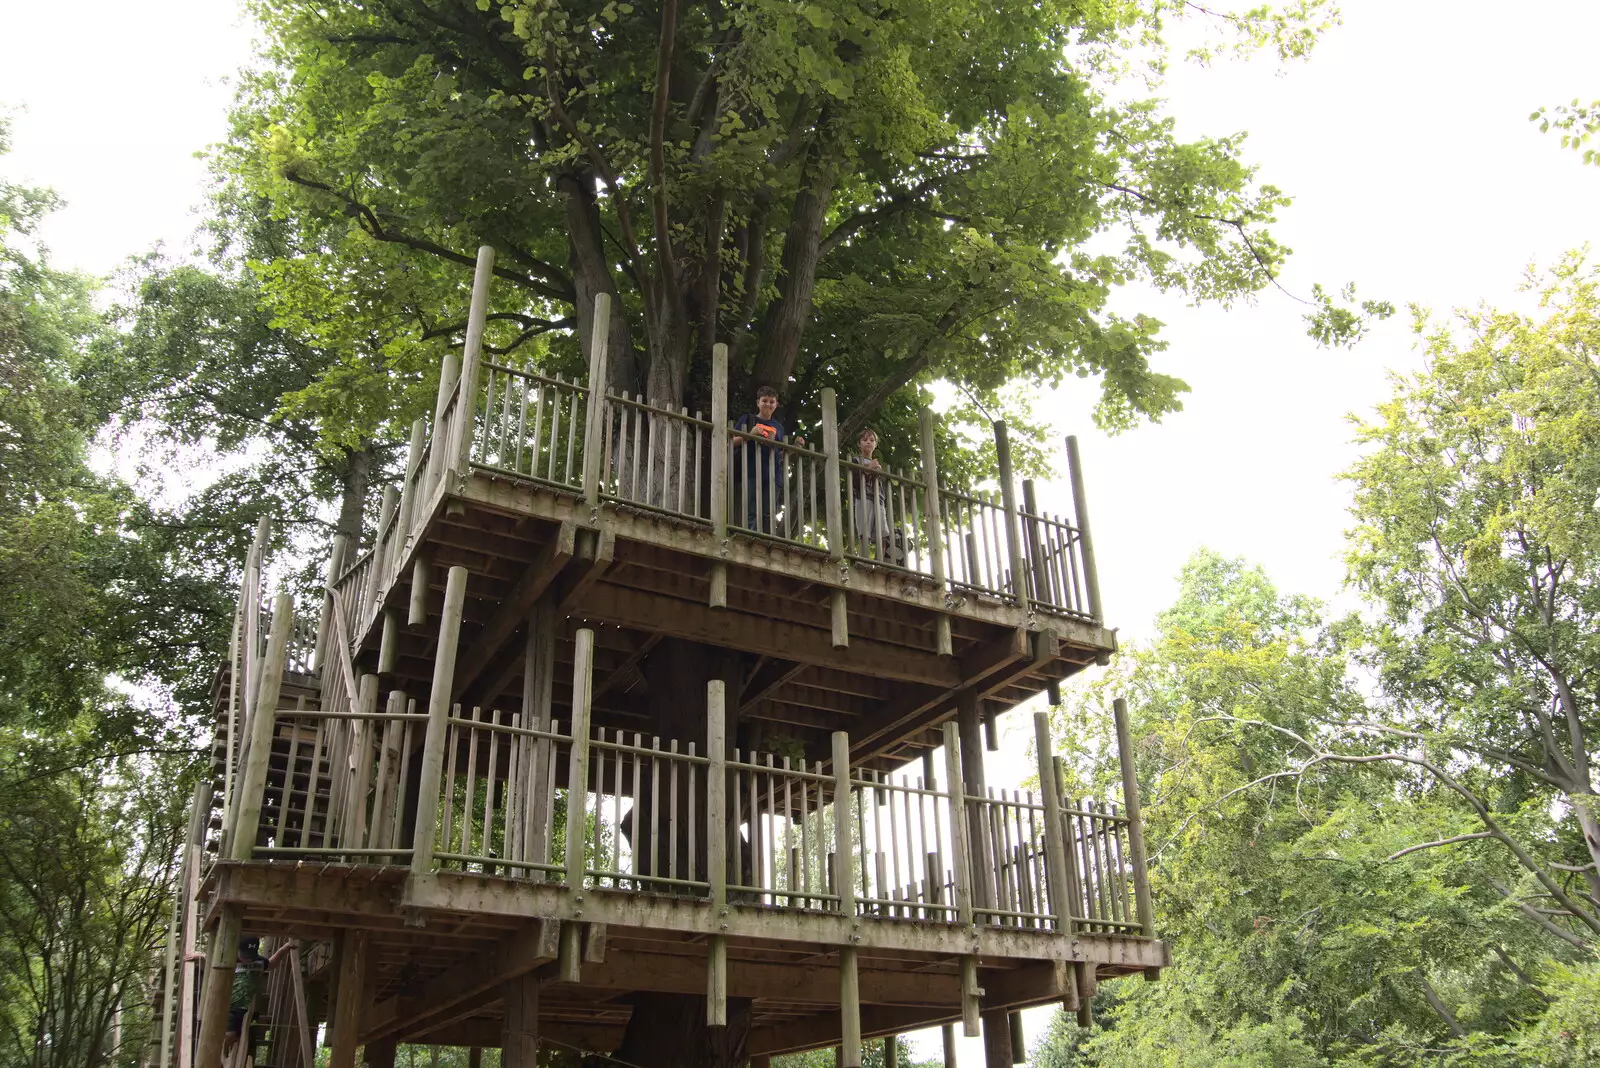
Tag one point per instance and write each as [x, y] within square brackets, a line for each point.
[669, 1030]
[591, 276]
[355, 481]
[786, 316]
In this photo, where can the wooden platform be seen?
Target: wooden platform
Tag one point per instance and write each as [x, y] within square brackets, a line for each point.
[441, 946]
[639, 577]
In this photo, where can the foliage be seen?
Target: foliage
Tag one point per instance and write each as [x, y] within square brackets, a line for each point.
[1578, 124]
[872, 1056]
[852, 195]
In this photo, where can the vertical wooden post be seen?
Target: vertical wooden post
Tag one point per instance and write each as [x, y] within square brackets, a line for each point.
[374, 586]
[719, 471]
[1130, 808]
[199, 815]
[891, 1051]
[972, 782]
[475, 1057]
[961, 869]
[947, 1036]
[997, 1039]
[538, 685]
[389, 643]
[409, 489]
[169, 977]
[433, 745]
[349, 999]
[593, 437]
[831, 478]
[253, 782]
[569, 952]
[843, 844]
[717, 847]
[421, 577]
[839, 619]
[849, 1009]
[222, 955]
[933, 517]
[519, 1036]
[1008, 499]
[1055, 840]
[325, 628]
[1080, 509]
[1019, 1044]
[1039, 569]
[578, 761]
[971, 995]
[472, 359]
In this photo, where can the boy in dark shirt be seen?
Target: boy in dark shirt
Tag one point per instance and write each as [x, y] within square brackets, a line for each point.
[758, 468]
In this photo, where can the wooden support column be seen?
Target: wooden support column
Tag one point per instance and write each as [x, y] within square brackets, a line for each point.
[472, 360]
[593, 429]
[379, 1055]
[433, 746]
[1008, 498]
[960, 864]
[253, 782]
[891, 1051]
[1019, 1044]
[997, 1039]
[420, 578]
[973, 783]
[1055, 839]
[380, 552]
[933, 519]
[719, 471]
[222, 955]
[325, 627]
[578, 761]
[844, 874]
[838, 609]
[849, 1009]
[389, 643]
[1088, 985]
[1080, 510]
[410, 489]
[538, 682]
[1130, 808]
[519, 1043]
[971, 997]
[475, 1054]
[717, 848]
[350, 999]
[947, 1037]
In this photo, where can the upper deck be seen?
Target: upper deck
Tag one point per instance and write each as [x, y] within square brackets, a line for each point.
[868, 601]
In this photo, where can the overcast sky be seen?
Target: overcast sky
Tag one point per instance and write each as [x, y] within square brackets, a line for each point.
[1405, 142]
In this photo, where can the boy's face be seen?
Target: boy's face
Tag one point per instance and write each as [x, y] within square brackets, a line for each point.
[766, 405]
[867, 442]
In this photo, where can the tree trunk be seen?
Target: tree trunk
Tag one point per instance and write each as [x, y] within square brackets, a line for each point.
[592, 276]
[355, 481]
[787, 314]
[669, 1030]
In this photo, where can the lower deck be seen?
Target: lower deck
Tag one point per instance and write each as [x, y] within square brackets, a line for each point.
[440, 948]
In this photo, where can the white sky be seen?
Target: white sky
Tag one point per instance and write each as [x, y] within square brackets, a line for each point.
[1404, 140]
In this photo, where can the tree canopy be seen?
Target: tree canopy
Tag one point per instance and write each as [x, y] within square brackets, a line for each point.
[851, 193]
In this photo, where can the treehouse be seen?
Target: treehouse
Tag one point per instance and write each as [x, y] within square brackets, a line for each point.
[629, 729]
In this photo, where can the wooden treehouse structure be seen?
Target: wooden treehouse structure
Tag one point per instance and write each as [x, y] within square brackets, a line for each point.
[461, 804]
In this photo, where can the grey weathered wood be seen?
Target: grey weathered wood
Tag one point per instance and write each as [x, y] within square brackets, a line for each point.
[410, 489]
[1131, 808]
[336, 561]
[961, 874]
[1080, 510]
[720, 450]
[1017, 557]
[980, 852]
[716, 792]
[933, 514]
[472, 360]
[1038, 567]
[420, 577]
[717, 982]
[598, 338]
[947, 1036]
[433, 745]
[253, 782]
[971, 997]
[220, 958]
[1019, 1045]
[519, 1047]
[839, 619]
[578, 760]
[389, 643]
[849, 1009]
[1058, 857]
[844, 849]
[350, 997]
[832, 500]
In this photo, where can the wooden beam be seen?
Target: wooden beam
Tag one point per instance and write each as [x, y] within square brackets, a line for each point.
[515, 605]
[629, 666]
[762, 635]
[532, 945]
[596, 551]
[771, 676]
